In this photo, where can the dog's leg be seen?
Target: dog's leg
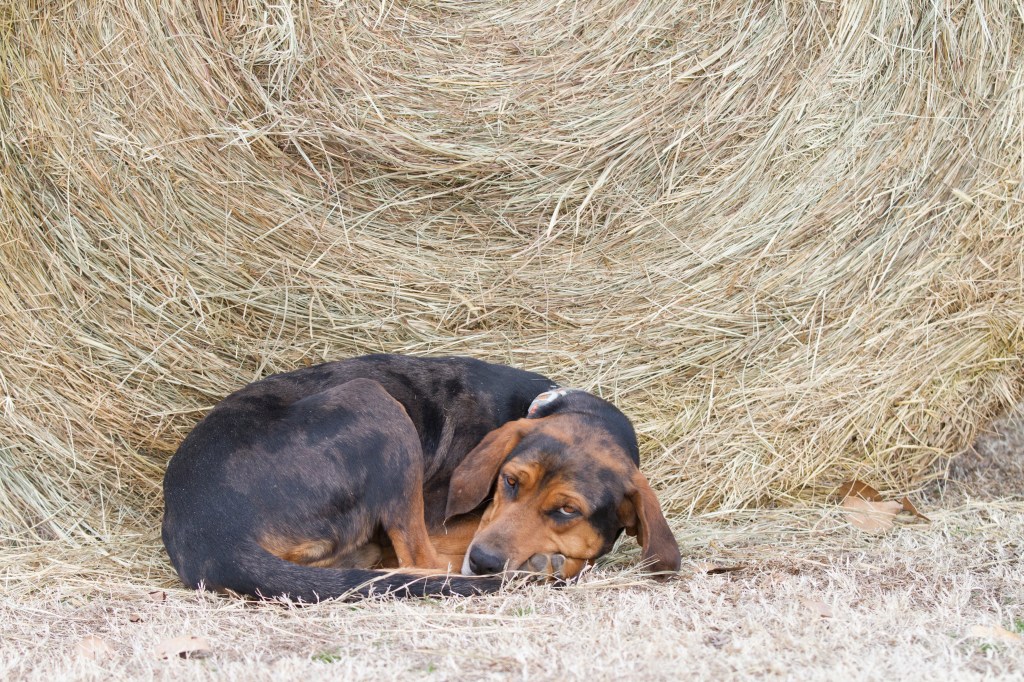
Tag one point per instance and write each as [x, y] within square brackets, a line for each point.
[402, 517]
[368, 435]
[407, 530]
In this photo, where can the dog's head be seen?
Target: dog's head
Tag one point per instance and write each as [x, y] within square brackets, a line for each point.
[565, 481]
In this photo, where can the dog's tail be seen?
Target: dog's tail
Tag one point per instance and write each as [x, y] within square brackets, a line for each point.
[263, 575]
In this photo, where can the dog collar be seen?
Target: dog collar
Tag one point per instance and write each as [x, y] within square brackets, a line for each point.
[546, 398]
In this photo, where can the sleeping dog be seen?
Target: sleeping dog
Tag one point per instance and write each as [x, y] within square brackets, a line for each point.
[312, 484]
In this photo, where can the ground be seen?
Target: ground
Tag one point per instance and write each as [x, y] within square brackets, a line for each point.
[785, 594]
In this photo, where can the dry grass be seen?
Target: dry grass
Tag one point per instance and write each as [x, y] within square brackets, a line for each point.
[903, 606]
[785, 238]
[811, 599]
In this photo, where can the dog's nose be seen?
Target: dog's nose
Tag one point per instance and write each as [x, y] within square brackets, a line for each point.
[483, 561]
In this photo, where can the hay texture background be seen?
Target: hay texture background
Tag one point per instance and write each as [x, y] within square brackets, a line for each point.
[785, 237]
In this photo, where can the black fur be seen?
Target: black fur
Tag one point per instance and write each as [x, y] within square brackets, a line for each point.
[319, 452]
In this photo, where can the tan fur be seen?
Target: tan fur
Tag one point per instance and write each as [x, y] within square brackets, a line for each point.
[453, 540]
[301, 551]
[522, 529]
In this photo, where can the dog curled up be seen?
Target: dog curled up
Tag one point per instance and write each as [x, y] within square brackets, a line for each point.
[403, 475]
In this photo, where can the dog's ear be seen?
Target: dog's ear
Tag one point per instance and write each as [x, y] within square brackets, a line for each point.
[641, 514]
[472, 480]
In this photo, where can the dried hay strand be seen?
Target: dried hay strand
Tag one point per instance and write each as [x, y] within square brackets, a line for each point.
[785, 238]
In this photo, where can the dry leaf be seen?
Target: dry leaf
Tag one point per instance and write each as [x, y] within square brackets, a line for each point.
[867, 509]
[909, 507]
[189, 646]
[857, 488]
[134, 618]
[873, 517]
[995, 632]
[158, 595]
[816, 607]
[94, 648]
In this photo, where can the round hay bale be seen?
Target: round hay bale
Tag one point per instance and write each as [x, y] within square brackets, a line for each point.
[785, 238]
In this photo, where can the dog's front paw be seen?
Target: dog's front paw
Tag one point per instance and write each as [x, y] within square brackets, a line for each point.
[546, 565]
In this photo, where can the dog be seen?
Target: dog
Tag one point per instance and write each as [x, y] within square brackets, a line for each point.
[312, 484]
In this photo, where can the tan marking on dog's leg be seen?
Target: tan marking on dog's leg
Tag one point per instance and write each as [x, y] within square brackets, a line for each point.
[413, 548]
[408, 535]
[365, 556]
[299, 551]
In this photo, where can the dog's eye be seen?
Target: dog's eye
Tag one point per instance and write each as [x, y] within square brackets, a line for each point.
[568, 510]
[511, 482]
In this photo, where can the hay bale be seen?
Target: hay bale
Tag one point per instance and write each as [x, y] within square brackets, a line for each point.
[785, 238]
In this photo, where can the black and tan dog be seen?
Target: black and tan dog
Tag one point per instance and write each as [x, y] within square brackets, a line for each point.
[304, 483]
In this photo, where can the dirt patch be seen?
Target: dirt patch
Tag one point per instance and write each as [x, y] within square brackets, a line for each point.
[993, 468]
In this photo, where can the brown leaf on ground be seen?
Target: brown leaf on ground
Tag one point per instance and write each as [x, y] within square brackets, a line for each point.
[873, 517]
[94, 648]
[868, 509]
[909, 507]
[858, 488]
[188, 646]
[158, 595]
[995, 632]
